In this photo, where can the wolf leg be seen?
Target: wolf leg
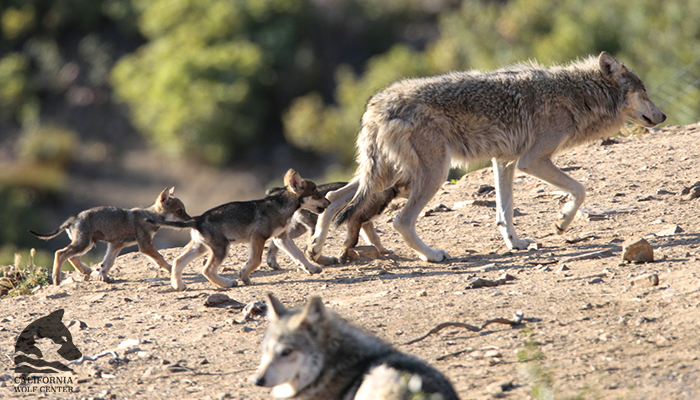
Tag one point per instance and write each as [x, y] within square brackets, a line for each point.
[503, 172]
[76, 249]
[151, 252]
[211, 269]
[257, 245]
[287, 244]
[423, 188]
[103, 269]
[351, 238]
[370, 235]
[543, 168]
[193, 250]
[271, 259]
[339, 199]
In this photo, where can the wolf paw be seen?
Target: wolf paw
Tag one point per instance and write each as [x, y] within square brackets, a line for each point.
[325, 261]
[437, 255]
[520, 244]
[313, 269]
[273, 264]
[99, 274]
[178, 286]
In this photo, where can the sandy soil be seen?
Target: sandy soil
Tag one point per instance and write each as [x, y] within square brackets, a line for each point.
[587, 331]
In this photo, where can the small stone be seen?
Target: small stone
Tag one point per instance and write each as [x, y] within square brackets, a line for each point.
[76, 326]
[128, 343]
[562, 269]
[646, 280]
[422, 293]
[637, 250]
[363, 253]
[670, 231]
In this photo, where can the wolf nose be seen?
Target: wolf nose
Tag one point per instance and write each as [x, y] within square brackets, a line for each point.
[663, 117]
[259, 381]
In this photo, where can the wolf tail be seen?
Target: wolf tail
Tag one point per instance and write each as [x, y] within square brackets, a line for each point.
[381, 146]
[174, 224]
[53, 234]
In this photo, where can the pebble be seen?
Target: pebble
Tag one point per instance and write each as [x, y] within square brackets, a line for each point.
[646, 280]
[128, 343]
[670, 231]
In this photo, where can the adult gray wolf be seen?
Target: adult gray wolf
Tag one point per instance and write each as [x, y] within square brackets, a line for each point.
[412, 131]
[250, 222]
[357, 223]
[119, 228]
[312, 354]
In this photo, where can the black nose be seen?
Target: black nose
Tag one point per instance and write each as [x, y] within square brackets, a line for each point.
[259, 381]
[663, 117]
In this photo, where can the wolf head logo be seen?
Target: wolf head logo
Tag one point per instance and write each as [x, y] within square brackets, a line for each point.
[50, 327]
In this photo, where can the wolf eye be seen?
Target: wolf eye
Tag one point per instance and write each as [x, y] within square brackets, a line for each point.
[179, 212]
[286, 352]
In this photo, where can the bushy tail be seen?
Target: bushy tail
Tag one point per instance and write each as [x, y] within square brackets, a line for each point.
[375, 172]
[174, 224]
[53, 234]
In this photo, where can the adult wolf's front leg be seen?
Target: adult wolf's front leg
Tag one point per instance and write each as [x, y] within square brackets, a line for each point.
[503, 173]
[543, 168]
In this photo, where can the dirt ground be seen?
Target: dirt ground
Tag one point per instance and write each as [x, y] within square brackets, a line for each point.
[587, 332]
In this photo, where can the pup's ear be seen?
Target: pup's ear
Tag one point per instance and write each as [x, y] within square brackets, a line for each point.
[164, 196]
[294, 182]
[171, 191]
[610, 67]
[275, 308]
[314, 314]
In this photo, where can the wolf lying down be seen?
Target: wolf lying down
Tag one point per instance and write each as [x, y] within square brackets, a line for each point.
[310, 353]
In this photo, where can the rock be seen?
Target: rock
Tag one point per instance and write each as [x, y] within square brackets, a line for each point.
[646, 280]
[670, 231]
[422, 293]
[562, 269]
[482, 203]
[363, 253]
[128, 343]
[637, 250]
[221, 299]
[76, 326]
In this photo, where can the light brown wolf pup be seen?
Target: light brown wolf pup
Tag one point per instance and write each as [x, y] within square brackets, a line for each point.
[119, 228]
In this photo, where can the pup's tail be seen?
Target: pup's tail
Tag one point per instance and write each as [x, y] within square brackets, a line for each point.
[174, 224]
[53, 234]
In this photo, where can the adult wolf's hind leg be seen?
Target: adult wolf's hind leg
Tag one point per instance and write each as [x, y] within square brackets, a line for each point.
[503, 172]
[543, 168]
[423, 188]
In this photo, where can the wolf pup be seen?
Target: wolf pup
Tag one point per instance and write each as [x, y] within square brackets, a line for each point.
[357, 223]
[119, 228]
[412, 131]
[250, 222]
[310, 353]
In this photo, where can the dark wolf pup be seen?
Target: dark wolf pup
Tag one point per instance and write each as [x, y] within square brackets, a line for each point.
[357, 223]
[119, 228]
[311, 354]
[414, 130]
[250, 222]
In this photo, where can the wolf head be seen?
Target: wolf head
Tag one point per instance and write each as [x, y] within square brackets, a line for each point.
[637, 107]
[170, 207]
[311, 199]
[292, 349]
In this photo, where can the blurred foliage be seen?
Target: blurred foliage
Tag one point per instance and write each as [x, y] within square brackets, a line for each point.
[49, 146]
[655, 39]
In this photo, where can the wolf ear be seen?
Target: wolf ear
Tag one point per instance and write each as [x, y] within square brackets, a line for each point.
[293, 181]
[314, 314]
[164, 196]
[57, 314]
[609, 66]
[275, 308]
